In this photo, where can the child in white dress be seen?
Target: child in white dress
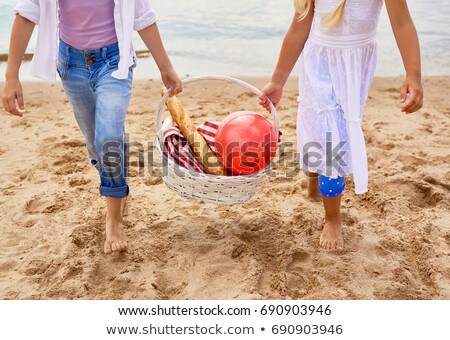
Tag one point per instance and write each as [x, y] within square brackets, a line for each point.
[336, 42]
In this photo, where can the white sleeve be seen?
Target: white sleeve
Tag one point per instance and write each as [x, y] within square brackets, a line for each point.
[144, 15]
[28, 9]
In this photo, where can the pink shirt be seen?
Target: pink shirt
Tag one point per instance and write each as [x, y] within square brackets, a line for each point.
[87, 24]
[129, 16]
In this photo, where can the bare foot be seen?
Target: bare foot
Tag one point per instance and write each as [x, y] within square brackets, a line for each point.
[313, 189]
[331, 238]
[115, 236]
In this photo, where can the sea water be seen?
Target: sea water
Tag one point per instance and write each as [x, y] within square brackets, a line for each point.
[243, 38]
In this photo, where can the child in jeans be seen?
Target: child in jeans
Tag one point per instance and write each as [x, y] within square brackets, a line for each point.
[88, 43]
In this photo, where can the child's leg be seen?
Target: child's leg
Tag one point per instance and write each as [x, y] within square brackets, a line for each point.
[115, 235]
[331, 238]
[80, 95]
[100, 103]
[331, 189]
[112, 99]
[313, 186]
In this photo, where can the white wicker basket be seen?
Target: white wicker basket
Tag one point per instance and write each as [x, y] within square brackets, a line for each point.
[205, 187]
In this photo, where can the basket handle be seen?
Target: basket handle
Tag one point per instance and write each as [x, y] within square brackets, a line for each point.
[249, 87]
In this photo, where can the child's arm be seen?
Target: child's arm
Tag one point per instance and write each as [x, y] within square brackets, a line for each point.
[20, 37]
[152, 39]
[408, 44]
[291, 49]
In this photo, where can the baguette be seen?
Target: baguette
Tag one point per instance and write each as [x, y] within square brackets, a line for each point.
[196, 141]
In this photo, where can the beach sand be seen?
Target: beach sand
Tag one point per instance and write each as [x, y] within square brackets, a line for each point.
[397, 235]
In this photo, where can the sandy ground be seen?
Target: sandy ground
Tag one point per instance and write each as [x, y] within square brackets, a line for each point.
[397, 236]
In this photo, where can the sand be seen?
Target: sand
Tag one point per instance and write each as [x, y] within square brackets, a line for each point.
[397, 236]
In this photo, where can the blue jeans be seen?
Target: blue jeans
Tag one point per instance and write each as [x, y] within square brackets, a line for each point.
[100, 103]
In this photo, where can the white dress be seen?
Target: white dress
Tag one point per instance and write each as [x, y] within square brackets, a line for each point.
[337, 67]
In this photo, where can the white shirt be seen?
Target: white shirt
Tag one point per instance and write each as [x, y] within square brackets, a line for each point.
[129, 15]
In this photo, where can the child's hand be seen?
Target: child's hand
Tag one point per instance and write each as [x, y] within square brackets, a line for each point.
[172, 81]
[12, 93]
[411, 95]
[273, 92]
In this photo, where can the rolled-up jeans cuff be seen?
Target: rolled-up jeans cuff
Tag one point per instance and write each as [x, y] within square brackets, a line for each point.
[117, 192]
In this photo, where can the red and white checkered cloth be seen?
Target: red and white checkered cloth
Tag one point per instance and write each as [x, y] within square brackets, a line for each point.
[177, 148]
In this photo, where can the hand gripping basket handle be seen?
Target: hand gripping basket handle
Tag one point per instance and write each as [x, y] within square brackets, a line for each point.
[249, 87]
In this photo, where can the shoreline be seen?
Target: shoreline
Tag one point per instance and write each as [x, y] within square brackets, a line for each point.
[260, 81]
[147, 69]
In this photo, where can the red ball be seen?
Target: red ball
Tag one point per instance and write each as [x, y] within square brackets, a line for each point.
[246, 142]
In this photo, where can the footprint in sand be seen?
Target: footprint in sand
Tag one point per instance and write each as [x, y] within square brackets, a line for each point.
[307, 221]
[65, 157]
[78, 182]
[36, 267]
[297, 279]
[153, 181]
[349, 219]
[297, 263]
[428, 196]
[40, 205]
[68, 169]
[37, 205]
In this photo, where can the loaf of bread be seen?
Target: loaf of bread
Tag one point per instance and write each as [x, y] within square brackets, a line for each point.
[198, 144]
